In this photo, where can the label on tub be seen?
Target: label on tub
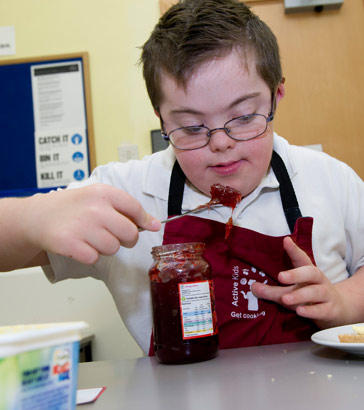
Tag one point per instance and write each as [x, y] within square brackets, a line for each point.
[45, 378]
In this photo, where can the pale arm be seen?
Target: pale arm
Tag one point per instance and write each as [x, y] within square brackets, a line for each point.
[16, 250]
[81, 223]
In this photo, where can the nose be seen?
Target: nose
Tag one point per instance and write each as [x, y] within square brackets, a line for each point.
[220, 141]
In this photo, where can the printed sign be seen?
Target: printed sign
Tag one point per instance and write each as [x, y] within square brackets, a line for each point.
[60, 124]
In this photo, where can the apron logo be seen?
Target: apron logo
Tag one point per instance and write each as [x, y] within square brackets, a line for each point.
[242, 296]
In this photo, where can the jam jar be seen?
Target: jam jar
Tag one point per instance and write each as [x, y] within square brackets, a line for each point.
[184, 317]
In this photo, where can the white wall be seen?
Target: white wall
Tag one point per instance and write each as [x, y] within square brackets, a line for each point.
[26, 296]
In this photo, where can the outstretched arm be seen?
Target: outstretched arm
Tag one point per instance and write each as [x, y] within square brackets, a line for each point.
[81, 223]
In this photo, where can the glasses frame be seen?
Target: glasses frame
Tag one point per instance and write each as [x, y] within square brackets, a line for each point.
[268, 119]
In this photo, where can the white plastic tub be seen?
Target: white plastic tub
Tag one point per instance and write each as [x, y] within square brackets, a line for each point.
[39, 366]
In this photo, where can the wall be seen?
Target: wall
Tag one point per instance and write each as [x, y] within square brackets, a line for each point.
[111, 31]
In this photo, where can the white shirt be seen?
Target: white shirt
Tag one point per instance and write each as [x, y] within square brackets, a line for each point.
[326, 189]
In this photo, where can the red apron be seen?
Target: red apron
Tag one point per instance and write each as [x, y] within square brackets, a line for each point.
[243, 258]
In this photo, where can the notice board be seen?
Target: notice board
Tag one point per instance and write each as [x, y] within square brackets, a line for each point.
[46, 131]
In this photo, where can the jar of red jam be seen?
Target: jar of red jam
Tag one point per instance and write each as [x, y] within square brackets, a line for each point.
[184, 317]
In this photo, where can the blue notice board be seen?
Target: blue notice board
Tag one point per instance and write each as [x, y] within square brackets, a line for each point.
[46, 130]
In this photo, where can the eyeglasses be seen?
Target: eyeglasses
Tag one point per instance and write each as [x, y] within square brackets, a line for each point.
[244, 128]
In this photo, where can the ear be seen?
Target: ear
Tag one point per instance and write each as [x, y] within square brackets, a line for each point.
[157, 113]
[280, 91]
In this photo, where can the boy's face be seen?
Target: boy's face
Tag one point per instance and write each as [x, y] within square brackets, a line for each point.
[218, 91]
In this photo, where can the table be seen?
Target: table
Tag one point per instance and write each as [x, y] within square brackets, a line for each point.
[290, 376]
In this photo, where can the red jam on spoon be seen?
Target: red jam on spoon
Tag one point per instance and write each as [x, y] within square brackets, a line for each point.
[226, 196]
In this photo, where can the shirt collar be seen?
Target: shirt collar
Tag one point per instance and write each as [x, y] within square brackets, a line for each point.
[282, 148]
[158, 173]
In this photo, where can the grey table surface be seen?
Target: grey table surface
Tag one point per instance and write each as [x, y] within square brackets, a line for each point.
[286, 376]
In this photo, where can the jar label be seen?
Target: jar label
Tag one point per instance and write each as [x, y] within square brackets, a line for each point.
[197, 305]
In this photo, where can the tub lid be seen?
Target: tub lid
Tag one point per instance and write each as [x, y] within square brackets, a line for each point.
[19, 338]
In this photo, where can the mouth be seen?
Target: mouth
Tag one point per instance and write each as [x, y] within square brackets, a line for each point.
[227, 168]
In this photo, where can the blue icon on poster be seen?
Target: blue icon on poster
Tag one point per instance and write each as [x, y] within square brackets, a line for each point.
[77, 156]
[76, 139]
[79, 174]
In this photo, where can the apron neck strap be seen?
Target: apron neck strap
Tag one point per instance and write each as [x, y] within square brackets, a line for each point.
[288, 196]
[176, 189]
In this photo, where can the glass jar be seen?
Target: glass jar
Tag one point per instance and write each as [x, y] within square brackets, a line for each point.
[184, 317]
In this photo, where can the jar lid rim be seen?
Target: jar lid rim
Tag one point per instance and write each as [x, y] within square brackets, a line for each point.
[188, 246]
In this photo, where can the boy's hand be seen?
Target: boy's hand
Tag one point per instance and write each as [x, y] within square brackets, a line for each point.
[308, 291]
[87, 222]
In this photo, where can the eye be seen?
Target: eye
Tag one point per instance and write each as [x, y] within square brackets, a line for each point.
[245, 119]
[194, 130]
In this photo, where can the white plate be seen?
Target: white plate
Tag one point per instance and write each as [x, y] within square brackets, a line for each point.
[329, 337]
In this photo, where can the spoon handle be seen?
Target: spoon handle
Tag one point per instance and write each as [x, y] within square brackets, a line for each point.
[199, 208]
[182, 215]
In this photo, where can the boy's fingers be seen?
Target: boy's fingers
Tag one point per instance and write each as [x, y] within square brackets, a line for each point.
[272, 293]
[132, 209]
[150, 223]
[81, 252]
[297, 255]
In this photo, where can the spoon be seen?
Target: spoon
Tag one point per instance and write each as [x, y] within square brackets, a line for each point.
[208, 205]
[220, 195]
[213, 202]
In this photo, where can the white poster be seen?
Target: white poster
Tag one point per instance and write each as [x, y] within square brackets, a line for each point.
[60, 124]
[7, 40]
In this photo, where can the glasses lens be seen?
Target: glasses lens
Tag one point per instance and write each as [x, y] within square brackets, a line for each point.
[247, 126]
[189, 137]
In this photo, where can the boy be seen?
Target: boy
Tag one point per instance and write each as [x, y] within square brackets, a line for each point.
[213, 74]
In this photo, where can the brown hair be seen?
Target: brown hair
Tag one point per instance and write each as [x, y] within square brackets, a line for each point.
[195, 31]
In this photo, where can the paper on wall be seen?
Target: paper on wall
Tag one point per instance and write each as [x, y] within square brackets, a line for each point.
[60, 123]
